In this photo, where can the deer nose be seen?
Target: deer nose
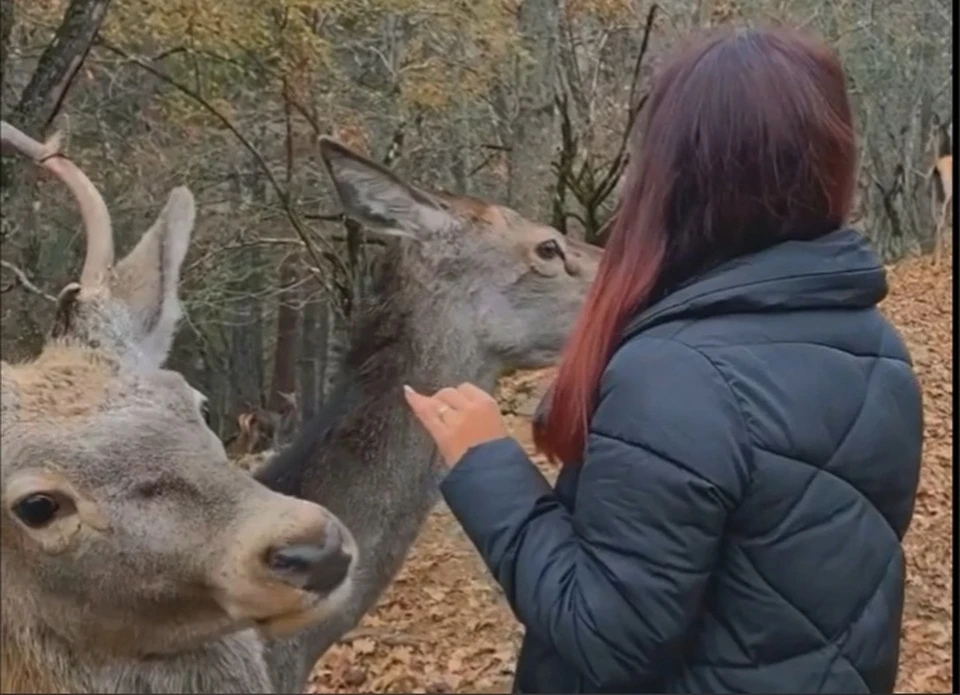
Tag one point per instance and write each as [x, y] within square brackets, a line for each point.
[316, 568]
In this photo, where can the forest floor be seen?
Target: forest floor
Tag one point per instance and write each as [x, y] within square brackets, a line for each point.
[443, 625]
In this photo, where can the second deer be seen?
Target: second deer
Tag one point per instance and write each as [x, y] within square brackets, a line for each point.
[470, 291]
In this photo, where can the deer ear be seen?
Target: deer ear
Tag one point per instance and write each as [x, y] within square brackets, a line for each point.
[378, 199]
[147, 280]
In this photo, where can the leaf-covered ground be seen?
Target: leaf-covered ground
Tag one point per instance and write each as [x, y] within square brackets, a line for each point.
[444, 627]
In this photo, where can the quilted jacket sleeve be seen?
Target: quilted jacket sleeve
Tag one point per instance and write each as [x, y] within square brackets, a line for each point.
[615, 585]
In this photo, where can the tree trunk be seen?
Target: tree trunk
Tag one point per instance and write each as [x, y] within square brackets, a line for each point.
[246, 353]
[925, 222]
[58, 65]
[285, 352]
[245, 335]
[307, 362]
[532, 131]
[283, 386]
[337, 343]
[322, 351]
[7, 16]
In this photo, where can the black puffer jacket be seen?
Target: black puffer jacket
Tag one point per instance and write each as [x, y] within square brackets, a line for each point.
[735, 526]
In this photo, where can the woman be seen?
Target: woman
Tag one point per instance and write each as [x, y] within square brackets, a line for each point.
[740, 428]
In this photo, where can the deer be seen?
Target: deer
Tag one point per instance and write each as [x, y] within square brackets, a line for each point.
[260, 433]
[941, 184]
[467, 291]
[248, 438]
[248, 446]
[262, 430]
[134, 558]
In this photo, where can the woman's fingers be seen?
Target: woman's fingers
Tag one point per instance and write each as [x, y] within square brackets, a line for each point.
[427, 411]
[452, 398]
[457, 419]
[474, 393]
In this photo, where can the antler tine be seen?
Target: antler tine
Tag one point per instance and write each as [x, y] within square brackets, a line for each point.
[93, 210]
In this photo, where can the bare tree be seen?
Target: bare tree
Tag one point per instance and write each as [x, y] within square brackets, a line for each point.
[530, 116]
[58, 65]
[7, 17]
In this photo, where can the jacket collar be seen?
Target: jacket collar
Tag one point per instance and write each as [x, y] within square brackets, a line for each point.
[835, 271]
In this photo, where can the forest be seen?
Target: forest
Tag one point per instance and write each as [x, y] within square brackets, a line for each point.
[529, 103]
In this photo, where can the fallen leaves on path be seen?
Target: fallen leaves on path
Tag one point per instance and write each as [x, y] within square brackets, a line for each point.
[443, 625]
[921, 305]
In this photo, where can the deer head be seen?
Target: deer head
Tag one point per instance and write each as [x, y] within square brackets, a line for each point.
[124, 529]
[509, 285]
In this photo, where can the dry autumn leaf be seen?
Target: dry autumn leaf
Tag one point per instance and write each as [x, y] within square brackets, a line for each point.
[364, 645]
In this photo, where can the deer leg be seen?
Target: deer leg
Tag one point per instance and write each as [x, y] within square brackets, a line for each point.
[943, 226]
[936, 243]
[935, 214]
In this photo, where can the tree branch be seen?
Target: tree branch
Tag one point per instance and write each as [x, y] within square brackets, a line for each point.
[58, 65]
[7, 15]
[24, 281]
[282, 194]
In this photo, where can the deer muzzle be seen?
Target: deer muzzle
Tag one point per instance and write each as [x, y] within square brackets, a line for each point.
[288, 562]
[318, 568]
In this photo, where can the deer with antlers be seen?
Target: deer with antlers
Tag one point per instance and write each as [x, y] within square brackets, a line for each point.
[142, 560]
[135, 559]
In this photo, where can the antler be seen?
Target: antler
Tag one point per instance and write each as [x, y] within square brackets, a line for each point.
[96, 217]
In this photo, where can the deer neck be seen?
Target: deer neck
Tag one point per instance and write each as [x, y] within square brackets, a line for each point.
[34, 659]
[27, 666]
[366, 458]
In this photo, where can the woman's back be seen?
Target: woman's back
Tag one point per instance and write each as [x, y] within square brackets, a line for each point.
[808, 590]
[805, 593]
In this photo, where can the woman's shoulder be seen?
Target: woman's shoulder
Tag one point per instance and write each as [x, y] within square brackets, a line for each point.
[667, 399]
[795, 383]
[663, 379]
[755, 369]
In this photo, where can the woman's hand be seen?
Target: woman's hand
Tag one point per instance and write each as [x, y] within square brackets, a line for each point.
[458, 419]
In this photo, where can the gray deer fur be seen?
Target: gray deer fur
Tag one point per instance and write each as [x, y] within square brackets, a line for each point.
[463, 295]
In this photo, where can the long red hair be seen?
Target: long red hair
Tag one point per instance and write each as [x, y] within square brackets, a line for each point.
[748, 140]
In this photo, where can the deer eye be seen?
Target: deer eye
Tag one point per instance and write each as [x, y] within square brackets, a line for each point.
[37, 510]
[549, 249]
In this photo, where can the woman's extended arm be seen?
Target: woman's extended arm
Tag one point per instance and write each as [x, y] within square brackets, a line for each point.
[615, 585]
